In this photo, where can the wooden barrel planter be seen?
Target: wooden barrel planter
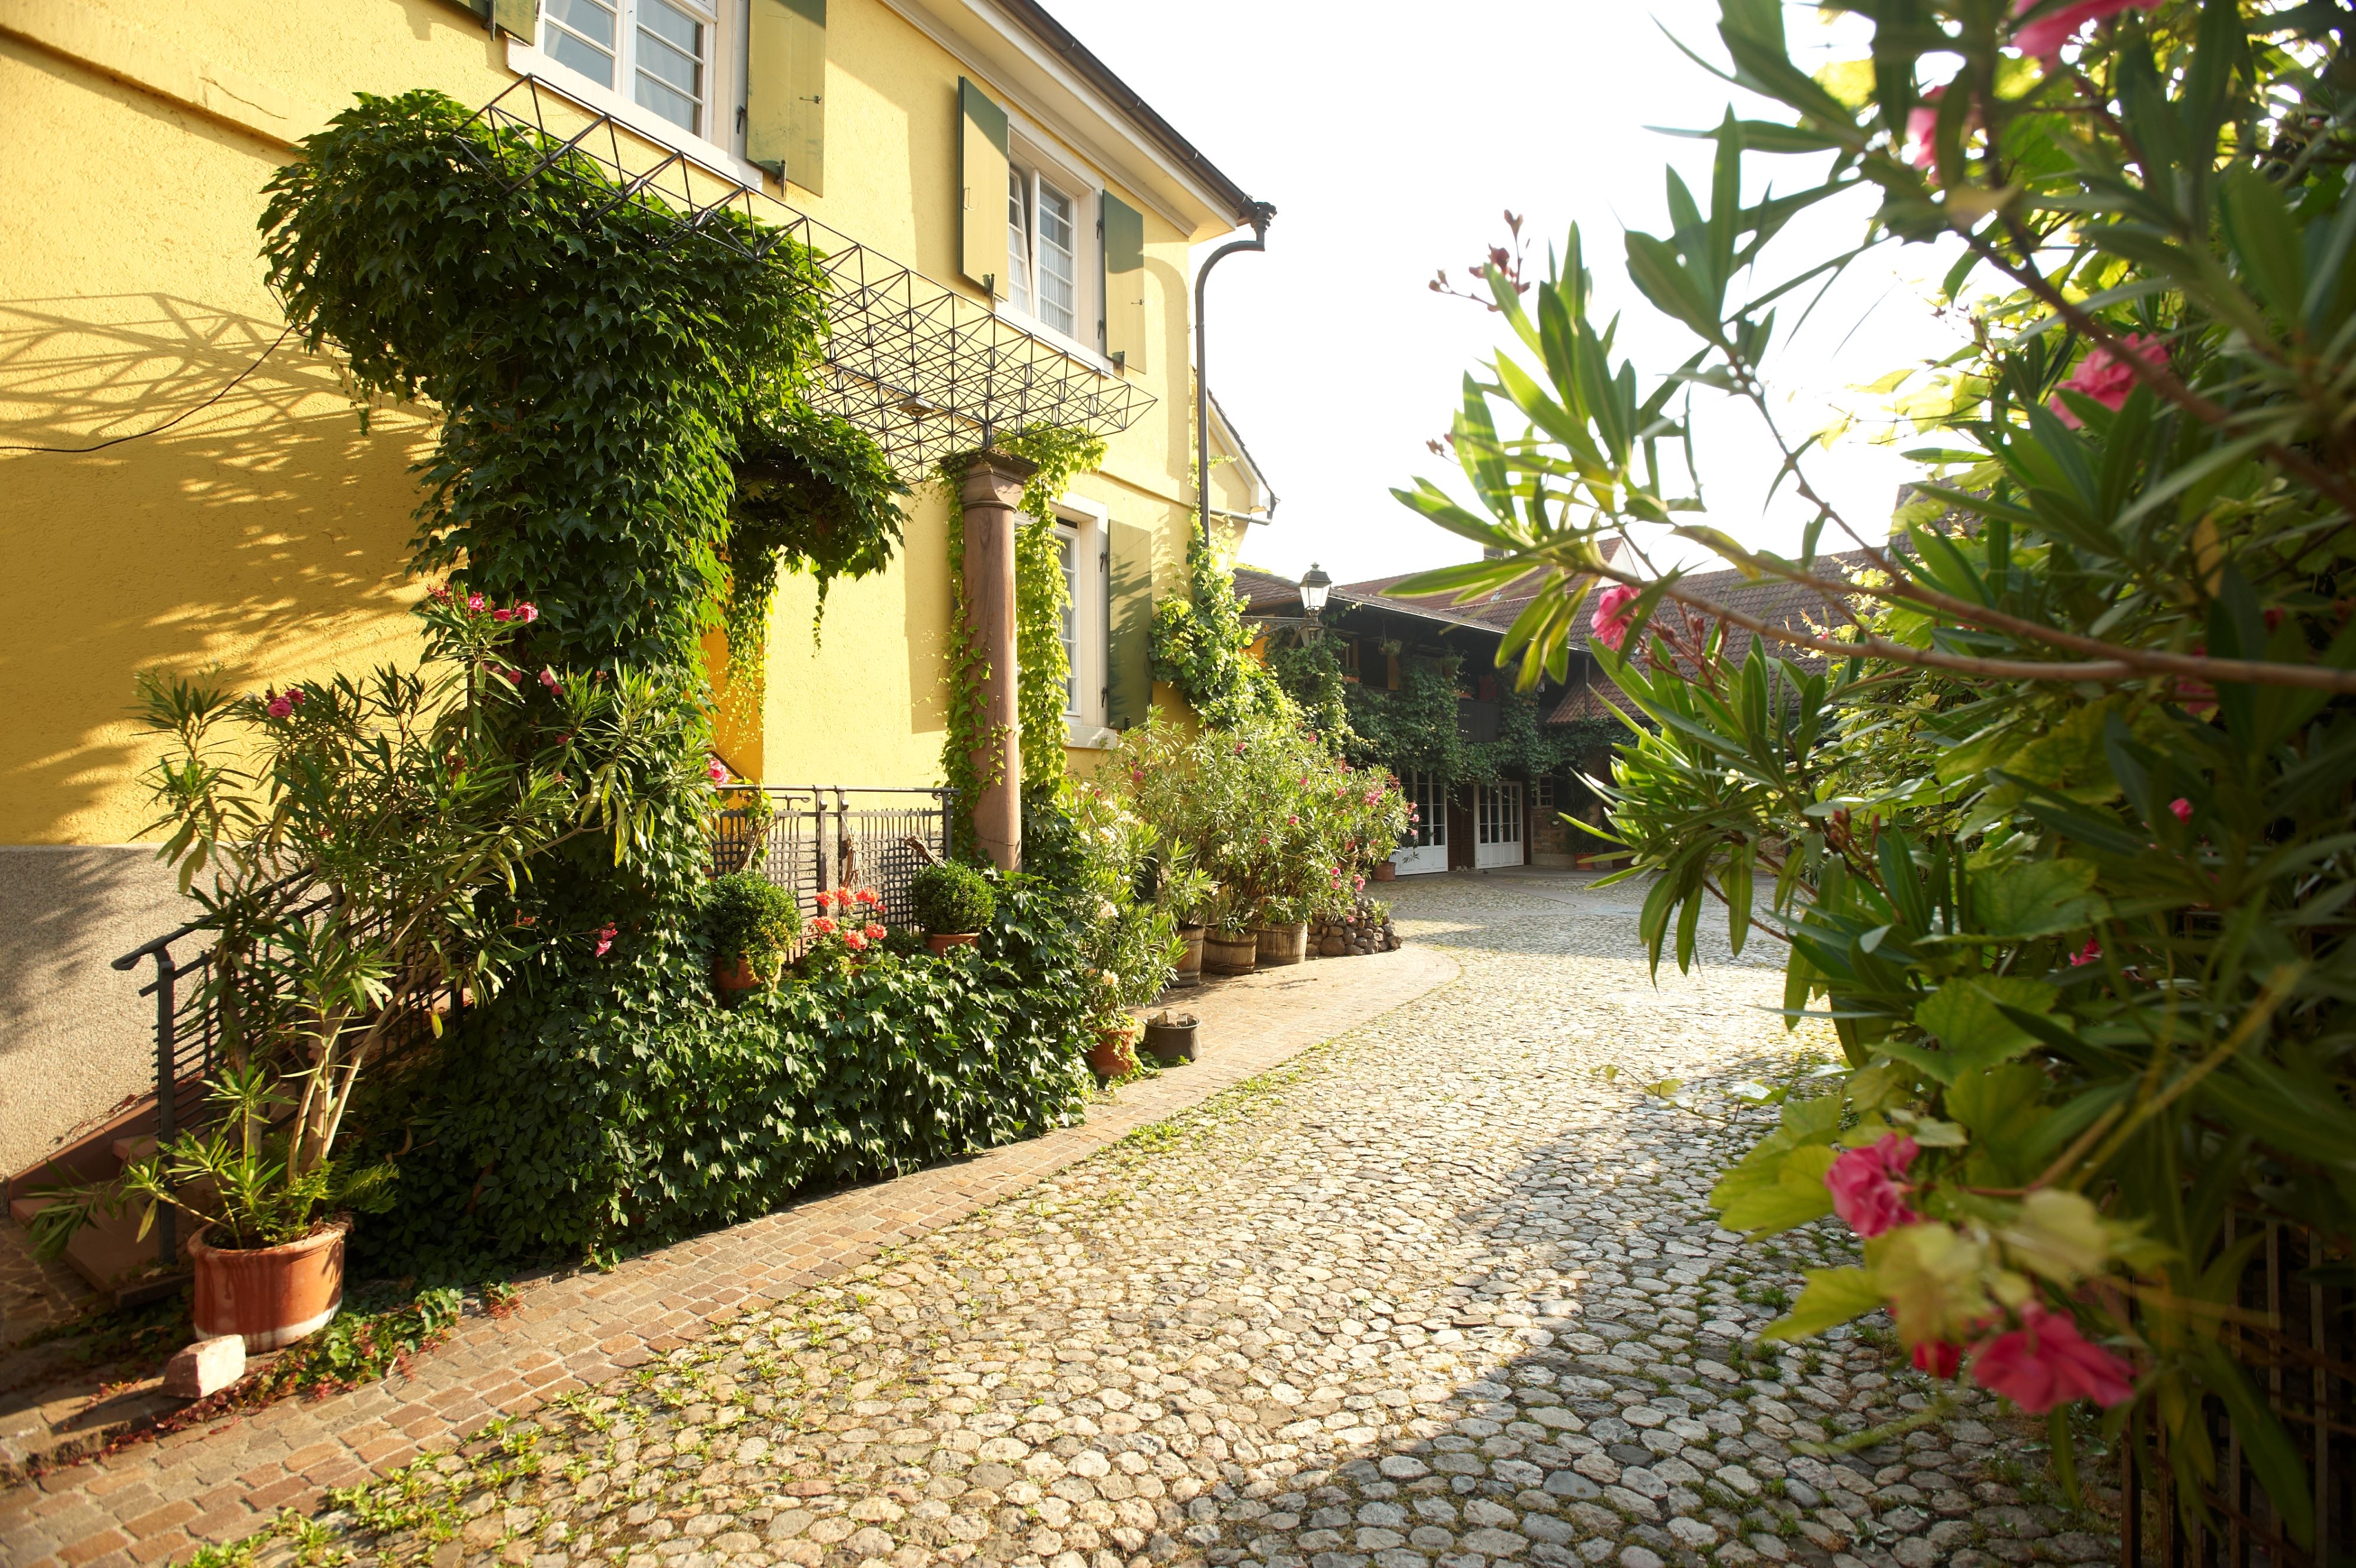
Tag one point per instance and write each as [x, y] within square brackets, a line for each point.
[1226, 953]
[1190, 960]
[1283, 944]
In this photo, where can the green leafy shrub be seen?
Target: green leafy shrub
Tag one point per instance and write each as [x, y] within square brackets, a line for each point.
[950, 897]
[627, 1125]
[2059, 826]
[1202, 647]
[750, 919]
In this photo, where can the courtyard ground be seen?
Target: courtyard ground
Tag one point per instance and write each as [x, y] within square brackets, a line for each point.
[1442, 1292]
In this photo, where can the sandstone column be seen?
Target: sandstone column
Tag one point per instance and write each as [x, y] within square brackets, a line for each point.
[993, 489]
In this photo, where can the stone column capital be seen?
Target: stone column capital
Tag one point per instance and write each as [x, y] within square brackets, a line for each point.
[996, 479]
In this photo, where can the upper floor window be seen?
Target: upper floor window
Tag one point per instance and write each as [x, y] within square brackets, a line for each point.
[1042, 250]
[659, 51]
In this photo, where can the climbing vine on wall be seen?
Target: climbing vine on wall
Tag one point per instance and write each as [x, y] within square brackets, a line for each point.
[813, 493]
[1202, 647]
[1041, 597]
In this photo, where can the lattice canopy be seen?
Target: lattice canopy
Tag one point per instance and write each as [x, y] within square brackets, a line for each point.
[922, 367]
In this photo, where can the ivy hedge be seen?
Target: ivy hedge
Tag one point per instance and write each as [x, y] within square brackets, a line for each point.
[657, 1125]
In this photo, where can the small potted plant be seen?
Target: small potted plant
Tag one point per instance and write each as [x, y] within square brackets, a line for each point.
[1114, 1056]
[1170, 1037]
[953, 903]
[1229, 946]
[1184, 889]
[753, 924]
[847, 931]
[1282, 934]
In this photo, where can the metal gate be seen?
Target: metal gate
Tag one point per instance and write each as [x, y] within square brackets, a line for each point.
[825, 836]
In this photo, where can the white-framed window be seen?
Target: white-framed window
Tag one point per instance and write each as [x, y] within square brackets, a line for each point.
[1044, 249]
[1082, 546]
[660, 54]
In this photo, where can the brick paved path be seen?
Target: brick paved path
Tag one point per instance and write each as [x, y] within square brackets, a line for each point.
[219, 1484]
[1443, 1295]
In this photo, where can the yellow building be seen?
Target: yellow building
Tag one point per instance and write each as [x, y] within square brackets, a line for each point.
[180, 488]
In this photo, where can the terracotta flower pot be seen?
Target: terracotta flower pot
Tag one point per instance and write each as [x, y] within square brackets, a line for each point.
[732, 979]
[1224, 953]
[1284, 944]
[270, 1296]
[941, 941]
[1114, 1055]
[1190, 962]
[1386, 871]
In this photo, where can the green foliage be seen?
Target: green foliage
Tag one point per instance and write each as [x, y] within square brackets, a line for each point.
[1287, 831]
[1131, 940]
[813, 493]
[1309, 672]
[751, 919]
[2061, 840]
[1041, 597]
[645, 1124]
[1202, 647]
[950, 897]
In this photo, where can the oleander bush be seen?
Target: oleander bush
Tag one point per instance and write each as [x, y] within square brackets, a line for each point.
[2054, 813]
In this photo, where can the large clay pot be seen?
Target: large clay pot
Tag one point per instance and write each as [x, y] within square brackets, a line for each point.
[1224, 953]
[270, 1296]
[940, 942]
[1386, 871]
[1190, 962]
[1283, 944]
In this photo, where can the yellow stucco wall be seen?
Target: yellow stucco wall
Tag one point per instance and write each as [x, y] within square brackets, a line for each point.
[267, 533]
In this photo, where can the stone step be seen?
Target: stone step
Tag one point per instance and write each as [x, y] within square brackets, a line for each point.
[111, 1255]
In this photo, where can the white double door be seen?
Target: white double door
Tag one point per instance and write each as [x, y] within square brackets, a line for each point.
[1425, 847]
[1496, 825]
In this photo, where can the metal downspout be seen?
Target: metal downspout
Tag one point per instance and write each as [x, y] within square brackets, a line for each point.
[1259, 216]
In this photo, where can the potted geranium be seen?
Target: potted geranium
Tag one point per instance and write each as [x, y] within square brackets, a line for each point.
[953, 903]
[847, 931]
[753, 924]
[362, 846]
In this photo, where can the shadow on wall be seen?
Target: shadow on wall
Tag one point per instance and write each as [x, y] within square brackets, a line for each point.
[266, 533]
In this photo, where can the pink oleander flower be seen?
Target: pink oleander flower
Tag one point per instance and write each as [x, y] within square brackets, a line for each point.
[2182, 807]
[1867, 1185]
[605, 938]
[500, 616]
[526, 612]
[2091, 953]
[2045, 36]
[280, 707]
[716, 770]
[475, 603]
[438, 594]
[2046, 1362]
[874, 930]
[1939, 1358]
[548, 679]
[1610, 621]
[1357, 884]
[296, 695]
[2103, 377]
[1923, 129]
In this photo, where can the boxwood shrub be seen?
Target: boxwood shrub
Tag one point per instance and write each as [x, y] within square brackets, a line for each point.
[749, 918]
[951, 898]
[615, 1127]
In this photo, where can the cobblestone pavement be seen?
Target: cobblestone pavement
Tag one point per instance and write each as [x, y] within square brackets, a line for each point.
[1438, 1296]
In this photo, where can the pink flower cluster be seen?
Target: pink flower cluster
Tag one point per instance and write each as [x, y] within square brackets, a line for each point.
[280, 706]
[2045, 36]
[716, 770]
[2106, 379]
[2043, 1363]
[1610, 620]
[605, 938]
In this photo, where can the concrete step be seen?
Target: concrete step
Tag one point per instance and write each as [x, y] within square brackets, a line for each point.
[135, 1148]
[111, 1255]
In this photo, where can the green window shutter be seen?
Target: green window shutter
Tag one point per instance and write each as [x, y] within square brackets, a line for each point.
[521, 17]
[1124, 283]
[982, 181]
[1129, 625]
[785, 92]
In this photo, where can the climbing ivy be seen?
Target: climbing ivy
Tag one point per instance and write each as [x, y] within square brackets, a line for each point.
[1202, 647]
[1041, 596]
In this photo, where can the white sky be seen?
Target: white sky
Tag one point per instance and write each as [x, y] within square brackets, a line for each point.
[1391, 138]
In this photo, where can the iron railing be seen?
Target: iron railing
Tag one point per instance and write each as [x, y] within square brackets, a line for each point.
[2297, 1345]
[820, 837]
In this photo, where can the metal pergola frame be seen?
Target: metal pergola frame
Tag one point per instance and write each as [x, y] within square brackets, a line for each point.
[918, 365]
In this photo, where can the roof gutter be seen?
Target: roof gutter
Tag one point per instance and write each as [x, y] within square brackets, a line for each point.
[1051, 35]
